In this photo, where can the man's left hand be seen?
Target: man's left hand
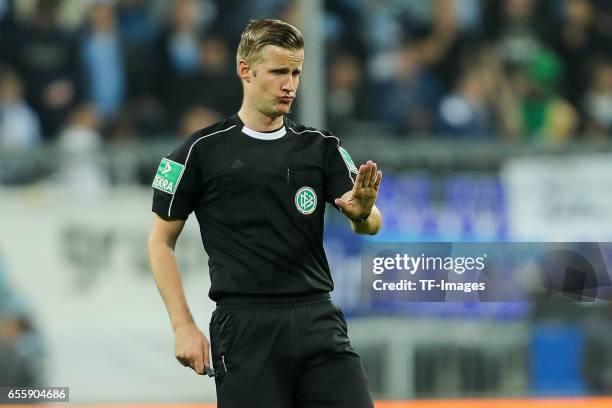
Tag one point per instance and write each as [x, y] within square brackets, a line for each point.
[359, 201]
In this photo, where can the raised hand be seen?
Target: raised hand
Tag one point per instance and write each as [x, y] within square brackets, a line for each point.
[359, 201]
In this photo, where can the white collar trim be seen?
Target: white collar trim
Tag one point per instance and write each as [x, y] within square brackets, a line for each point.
[264, 135]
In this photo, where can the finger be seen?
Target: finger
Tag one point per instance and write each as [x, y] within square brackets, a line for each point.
[184, 362]
[359, 178]
[378, 180]
[366, 182]
[367, 172]
[373, 175]
[199, 364]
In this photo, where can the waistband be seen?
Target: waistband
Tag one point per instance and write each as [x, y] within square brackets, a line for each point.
[273, 301]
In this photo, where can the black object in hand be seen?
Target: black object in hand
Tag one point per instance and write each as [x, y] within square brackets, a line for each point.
[210, 371]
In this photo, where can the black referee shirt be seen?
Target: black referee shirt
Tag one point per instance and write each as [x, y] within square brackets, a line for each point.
[259, 199]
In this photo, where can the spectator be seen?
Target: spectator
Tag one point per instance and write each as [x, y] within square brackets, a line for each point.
[514, 26]
[382, 32]
[138, 24]
[47, 59]
[232, 15]
[576, 43]
[442, 43]
[404, 92]
[19, 125]
[603, 22]
[196, 118]
[8, 31]
[432, 24]
[214, 84]
[345, 91]
[466, 112]
[343, 27]
[482, 105]
[137, 21]
[178, 48]
[80, 143]
[598, 100]
[546, 116]
[180, 40]
[103, 62]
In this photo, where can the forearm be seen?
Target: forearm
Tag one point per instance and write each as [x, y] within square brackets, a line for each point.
[370, 226]
[168, 280]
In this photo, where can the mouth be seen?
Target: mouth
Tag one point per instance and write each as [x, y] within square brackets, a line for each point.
[286, 99]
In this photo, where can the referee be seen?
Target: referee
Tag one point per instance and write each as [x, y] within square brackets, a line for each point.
[258, 183]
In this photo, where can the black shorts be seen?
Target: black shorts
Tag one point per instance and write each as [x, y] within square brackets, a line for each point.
[285, 354]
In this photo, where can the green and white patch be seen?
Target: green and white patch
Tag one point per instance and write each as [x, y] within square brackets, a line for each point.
[347, 159]
[306, 200]
[168, 175]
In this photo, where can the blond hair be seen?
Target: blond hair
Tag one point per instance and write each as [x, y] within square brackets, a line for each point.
[259, 33]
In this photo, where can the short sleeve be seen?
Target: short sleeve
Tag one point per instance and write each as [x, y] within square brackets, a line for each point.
[340, 170]
[176, 185]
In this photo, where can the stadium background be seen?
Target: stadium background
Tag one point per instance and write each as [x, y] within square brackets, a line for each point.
[491, 120]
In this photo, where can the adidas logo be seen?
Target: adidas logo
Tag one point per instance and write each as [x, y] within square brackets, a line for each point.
[236, 164]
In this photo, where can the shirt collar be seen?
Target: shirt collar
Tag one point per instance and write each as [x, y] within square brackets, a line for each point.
[277, 134]
[272, 135]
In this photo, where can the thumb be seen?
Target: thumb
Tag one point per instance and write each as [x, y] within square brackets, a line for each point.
[340, 203]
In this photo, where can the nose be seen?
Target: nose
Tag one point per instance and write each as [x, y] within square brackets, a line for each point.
[289, 85]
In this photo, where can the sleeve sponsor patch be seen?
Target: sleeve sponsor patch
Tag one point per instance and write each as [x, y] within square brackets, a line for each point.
[347, 159]
[168, 175]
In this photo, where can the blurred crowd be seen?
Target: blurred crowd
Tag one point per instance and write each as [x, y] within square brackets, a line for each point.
[86, 73]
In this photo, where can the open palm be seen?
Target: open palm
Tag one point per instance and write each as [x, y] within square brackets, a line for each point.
[360, 200]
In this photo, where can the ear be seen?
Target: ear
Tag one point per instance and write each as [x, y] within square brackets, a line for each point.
[244, 70]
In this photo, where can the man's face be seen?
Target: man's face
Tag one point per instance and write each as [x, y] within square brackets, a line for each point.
[274, 79]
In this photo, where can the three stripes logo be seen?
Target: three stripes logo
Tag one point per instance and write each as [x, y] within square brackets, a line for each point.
[306, 200]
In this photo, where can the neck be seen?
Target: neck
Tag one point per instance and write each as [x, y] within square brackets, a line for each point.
[254, 119]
